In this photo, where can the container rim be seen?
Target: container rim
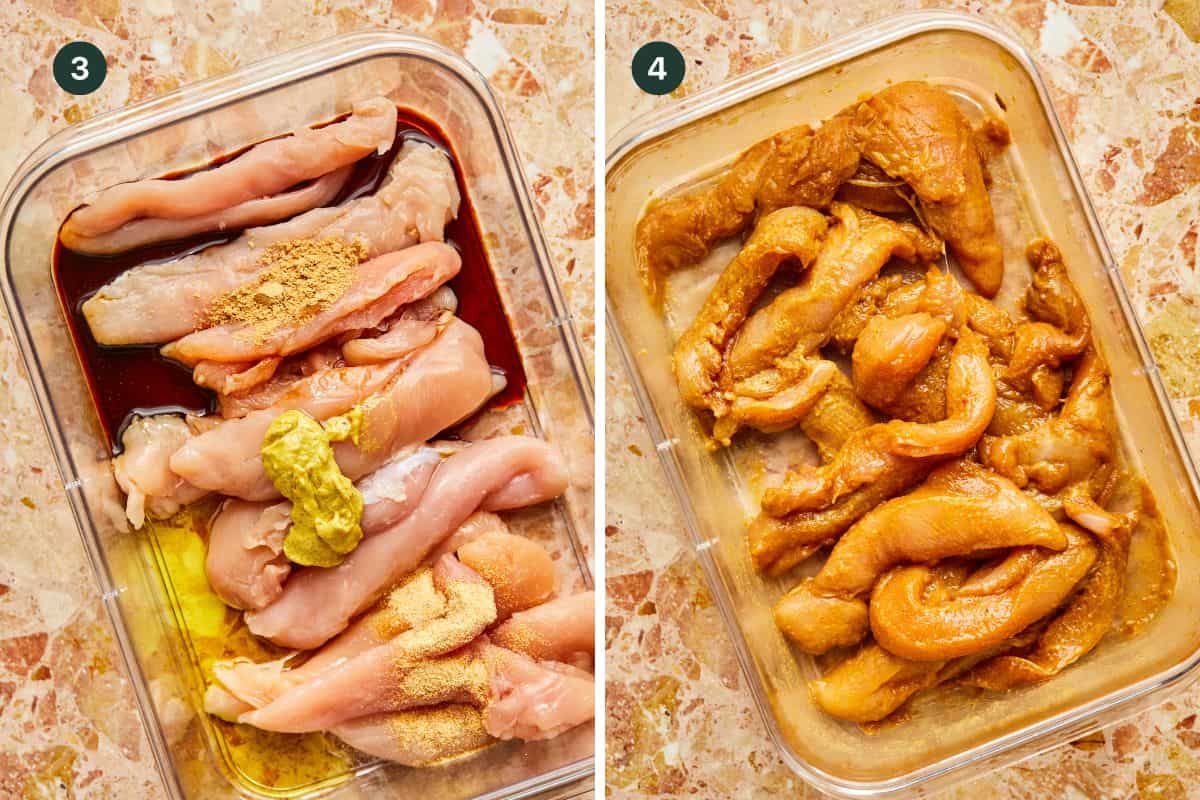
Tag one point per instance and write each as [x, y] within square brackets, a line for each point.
[208, 95]
[1017, 745]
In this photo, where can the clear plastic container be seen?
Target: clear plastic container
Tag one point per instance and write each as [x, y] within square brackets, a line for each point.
[203, 758]
[950, 735]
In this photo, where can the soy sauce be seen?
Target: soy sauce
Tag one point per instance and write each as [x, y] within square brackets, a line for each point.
[130, 381]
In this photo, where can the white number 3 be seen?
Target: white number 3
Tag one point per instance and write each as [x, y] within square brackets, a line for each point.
[658, 69]
[80, 73]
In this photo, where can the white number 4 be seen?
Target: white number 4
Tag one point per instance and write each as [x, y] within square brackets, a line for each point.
[80, 73]
[658, 69]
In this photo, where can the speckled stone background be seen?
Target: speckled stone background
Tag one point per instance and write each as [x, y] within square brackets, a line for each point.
[67, 724]
[1125, 80]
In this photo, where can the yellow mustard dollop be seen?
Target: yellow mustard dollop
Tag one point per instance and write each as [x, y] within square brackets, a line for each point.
[346, 426]
[326, 508]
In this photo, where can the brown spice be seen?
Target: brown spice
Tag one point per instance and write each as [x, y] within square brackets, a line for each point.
[413, 604]
[298, 279]
[470, 607]
[431, 735]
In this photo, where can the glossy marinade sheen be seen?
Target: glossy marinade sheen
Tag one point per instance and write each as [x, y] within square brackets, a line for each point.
[126, 381]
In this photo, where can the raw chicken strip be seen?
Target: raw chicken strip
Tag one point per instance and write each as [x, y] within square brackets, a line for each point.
[264, 170]
[520, 570]
[156, 303]
[251, 213]
[523, 698]
[419, 737]
[419, 600]
[439, 385]
[530, 701]
[234, 378]
[553, 631]
[380, 286]
[317, 604]
[536, 700]
[421, 666]
[416, 603]
[245, 564]
[142, 470]
[478, 524]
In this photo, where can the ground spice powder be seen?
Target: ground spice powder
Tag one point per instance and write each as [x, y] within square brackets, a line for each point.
[298, 278]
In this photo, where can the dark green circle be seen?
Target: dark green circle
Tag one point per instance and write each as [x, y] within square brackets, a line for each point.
[665, 61]
[79, 68]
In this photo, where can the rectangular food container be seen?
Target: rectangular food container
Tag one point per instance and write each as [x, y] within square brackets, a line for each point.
[197, 757]
[1037, 190]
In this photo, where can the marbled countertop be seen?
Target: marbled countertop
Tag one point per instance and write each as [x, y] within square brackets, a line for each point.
[67, 722]
[1125, 81]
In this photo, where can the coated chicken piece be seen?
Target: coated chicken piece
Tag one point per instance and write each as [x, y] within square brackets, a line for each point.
[156, 303]
[906, 621]
[427, 392]
[891, 353]
[246, 214]
[872, 452]
[779, 544]
[796, 167]
[1069, 636]
[1061, 330]
[143, 471]
[380, 287]
[1068, 449]
[1094, 610]
[317, 603]
[915, 131]
[263, 170]
[790, 234]
[872, 684]
[961, 510]
[857, 245]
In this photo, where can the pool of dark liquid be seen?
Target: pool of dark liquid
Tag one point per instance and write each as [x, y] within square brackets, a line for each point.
[127, 381]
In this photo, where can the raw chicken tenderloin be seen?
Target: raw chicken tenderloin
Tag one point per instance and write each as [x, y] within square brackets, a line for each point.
[142, 469]
[263, 170]
[415, 603]
[422, 666]
[317, 604]
[439, 385]
[156, 303]
[251, 213]
[381, 285]
[245, 563]
[535, 699]
[420, 737]
[554, 631]
[521, 698]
